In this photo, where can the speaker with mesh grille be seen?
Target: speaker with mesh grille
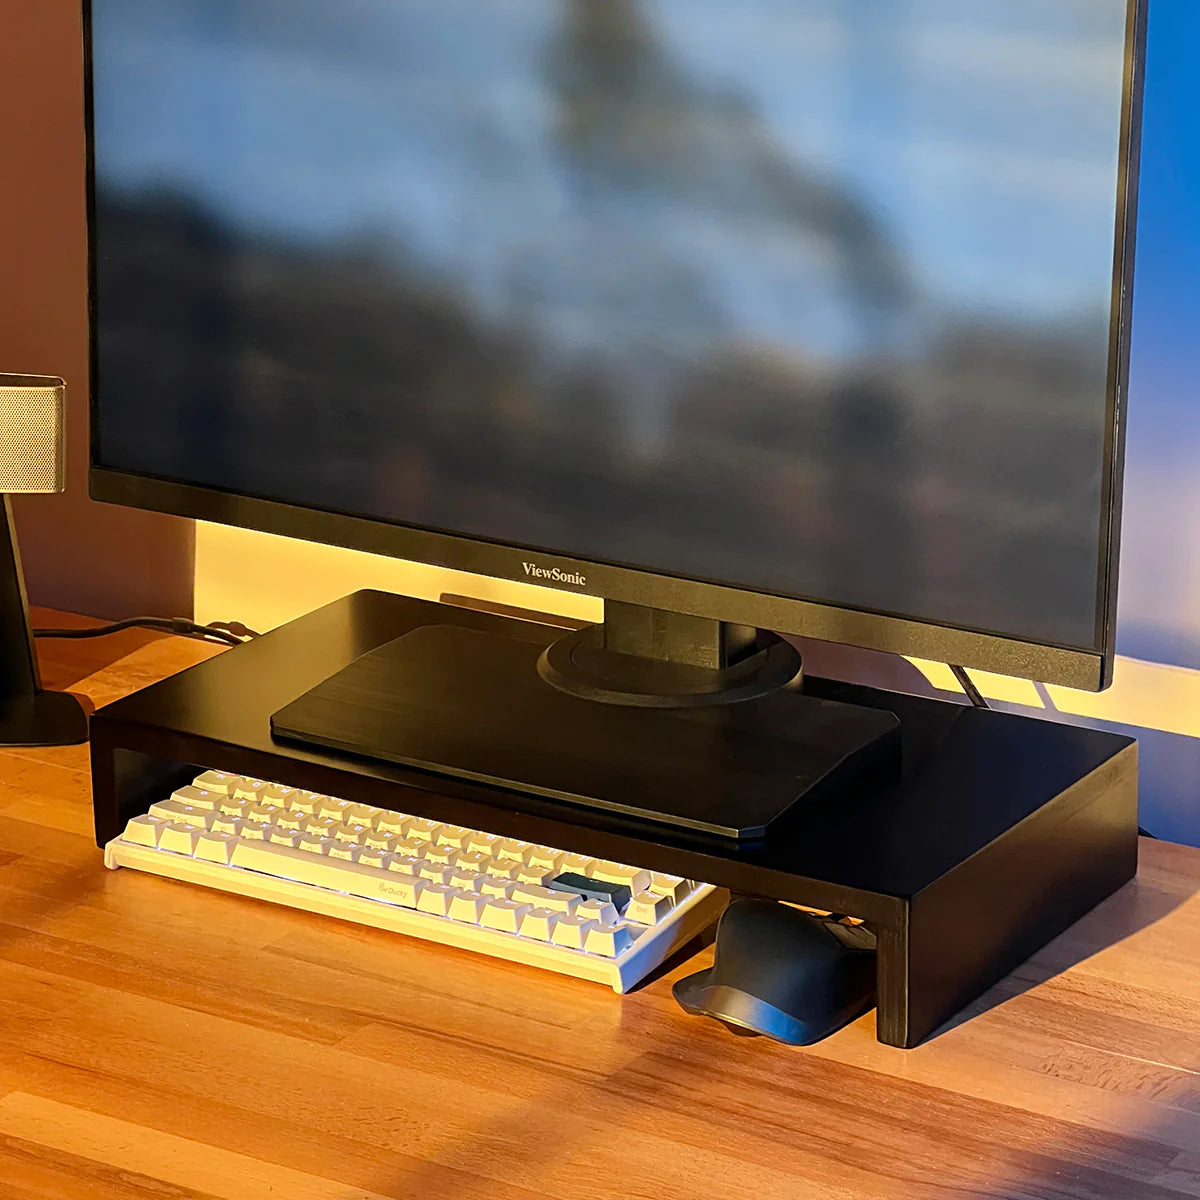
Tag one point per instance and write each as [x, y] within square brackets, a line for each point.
[32, 423]
[32, 433]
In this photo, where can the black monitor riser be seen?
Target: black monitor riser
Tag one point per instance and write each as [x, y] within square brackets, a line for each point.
[997, 833]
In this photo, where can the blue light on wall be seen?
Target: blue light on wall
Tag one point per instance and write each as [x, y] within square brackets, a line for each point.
[1160, 568]
[1160, 616]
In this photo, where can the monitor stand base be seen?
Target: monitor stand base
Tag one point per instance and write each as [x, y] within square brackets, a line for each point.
[651, 658]
[472, 704]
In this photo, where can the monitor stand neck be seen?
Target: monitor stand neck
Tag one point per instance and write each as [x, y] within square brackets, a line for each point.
[652, 658]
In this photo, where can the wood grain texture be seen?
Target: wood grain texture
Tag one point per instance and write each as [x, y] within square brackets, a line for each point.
[160, 1040]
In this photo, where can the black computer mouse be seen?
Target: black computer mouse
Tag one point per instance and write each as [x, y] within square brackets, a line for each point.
[783, 973]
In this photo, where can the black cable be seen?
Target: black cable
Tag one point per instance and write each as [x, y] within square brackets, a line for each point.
[178, 625]
[968, 685]
[236, 628]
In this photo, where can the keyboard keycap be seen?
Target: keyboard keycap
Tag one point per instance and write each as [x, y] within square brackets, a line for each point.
[393, 823]
[512, 850]
[414, 846]
[277, 794]
[671, 886]
[485, 843]
[405, 863]
[547, 859]
[214, 847]
[435, 899]
[599, 911]
[539, 923]
[541, 897]
[332, 806]
[474, 860]
[215, 781]
[402, 889]
[434, 872]
[646, 908]
[571, 931]
[307, 802]
[423, 829]
[503, 915]
[323, 826]
[506, 868]
[143, 831]
[634, 879]
[467, 906]
[178, 837]
[609, 940]
[494, 885]
[187, 814]
[197, 797]
[617, 894]
[453, 835]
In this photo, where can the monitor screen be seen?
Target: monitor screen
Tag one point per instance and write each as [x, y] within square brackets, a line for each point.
[809, 297]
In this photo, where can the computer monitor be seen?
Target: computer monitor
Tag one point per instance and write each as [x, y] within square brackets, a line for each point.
[800, 315]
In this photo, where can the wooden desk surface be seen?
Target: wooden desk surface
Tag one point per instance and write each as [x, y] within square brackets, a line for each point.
[158, 1040]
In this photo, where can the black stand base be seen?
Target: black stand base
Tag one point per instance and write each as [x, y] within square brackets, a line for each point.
[43, 719]
[470, 703]
[1001, 831]
[648, 658]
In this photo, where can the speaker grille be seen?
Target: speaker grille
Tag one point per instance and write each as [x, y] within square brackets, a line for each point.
[32, 442]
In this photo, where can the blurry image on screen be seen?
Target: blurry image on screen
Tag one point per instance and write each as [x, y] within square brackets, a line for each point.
[808, 296]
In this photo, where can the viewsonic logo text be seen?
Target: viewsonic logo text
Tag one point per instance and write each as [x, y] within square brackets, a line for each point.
[553, 574]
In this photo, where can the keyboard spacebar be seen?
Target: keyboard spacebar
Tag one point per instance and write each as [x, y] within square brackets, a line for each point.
[356, 879]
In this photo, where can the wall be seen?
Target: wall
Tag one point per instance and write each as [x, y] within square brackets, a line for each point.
[78, 555]
[1160, 582]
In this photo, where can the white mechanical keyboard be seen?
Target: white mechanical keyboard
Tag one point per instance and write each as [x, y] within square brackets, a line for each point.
[581, 916]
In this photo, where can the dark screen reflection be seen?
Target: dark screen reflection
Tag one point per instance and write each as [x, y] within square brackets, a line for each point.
[804, 295]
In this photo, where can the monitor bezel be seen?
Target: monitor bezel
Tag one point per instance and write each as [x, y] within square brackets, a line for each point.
[1088, 669]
